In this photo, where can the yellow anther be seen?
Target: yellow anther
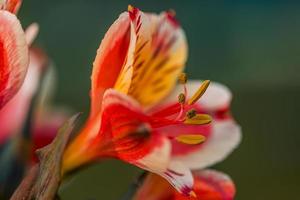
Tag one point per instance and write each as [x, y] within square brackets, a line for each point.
[190, 139]
[198, 119]
[130, 8]
[182, 78]
[172, 12]
[191, 113]
[181, 98]
[199, 92]
[193, 194]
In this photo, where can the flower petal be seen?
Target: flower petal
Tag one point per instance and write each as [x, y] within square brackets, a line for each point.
[109, 60]
[211, 185]
[176, 173]
[123, 132]
[180, 176]
[14, 56]
[31, 32]
[158, 57]
[11, 5]
[224, 138]
[14, 113]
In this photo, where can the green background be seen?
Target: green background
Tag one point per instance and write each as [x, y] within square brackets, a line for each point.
[251, 46]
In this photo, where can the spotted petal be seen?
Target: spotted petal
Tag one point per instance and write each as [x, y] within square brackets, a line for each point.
[14, 56]
[156, 58]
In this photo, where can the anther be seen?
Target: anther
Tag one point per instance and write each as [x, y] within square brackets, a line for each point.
[198, 119]
[199, 92]
[181, 98]
[182, 78]
[190, 139]
[191, 113]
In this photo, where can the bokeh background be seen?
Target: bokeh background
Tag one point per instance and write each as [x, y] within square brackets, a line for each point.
[251, 46]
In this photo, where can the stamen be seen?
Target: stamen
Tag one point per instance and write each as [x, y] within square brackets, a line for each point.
[182, 78]
[130, 8]
[181, 98]
[191, 113]
[191, 139]
[199, 93]
[198, 119]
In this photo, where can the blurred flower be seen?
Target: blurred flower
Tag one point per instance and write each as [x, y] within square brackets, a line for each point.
[14, 54]
[209, 185]
[22, 131]
[141, 58]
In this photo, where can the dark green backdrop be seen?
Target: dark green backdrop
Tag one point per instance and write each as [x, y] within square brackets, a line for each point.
[252, 46]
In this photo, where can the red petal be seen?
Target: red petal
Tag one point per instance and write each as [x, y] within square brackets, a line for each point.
[109, 60]
[11, 5]
[13, 114]
[13, 56]
[124, 123]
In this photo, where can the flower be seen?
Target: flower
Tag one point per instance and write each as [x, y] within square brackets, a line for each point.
[136, 67]
[209, 185]
[14, 54]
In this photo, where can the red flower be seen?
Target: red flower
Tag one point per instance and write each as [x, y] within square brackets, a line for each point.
[136, 67]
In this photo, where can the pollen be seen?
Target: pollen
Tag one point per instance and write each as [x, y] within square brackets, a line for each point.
[190, 139]
[181, 98]
[182, 78]
[191, 113]
[198, 119]
[199, 92]
[130, 8]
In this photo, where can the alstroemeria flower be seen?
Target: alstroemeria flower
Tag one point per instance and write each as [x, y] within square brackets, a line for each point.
[14, 54]
[136, 67]
[209, 185]
[14, 112]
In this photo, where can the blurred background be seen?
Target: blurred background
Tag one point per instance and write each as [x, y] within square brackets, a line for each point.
[251, 46]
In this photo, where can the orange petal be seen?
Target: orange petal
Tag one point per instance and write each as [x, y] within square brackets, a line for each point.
[13, 56]
[157, 56]
[109, 60]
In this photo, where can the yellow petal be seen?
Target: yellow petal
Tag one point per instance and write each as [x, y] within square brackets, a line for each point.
[191, 139]
[198, 119]
[156, 57]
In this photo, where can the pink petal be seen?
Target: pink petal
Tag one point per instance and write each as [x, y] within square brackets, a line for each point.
[13, 56]
[31, 33]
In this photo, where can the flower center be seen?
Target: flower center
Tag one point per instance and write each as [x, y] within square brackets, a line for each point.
[183, 112]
